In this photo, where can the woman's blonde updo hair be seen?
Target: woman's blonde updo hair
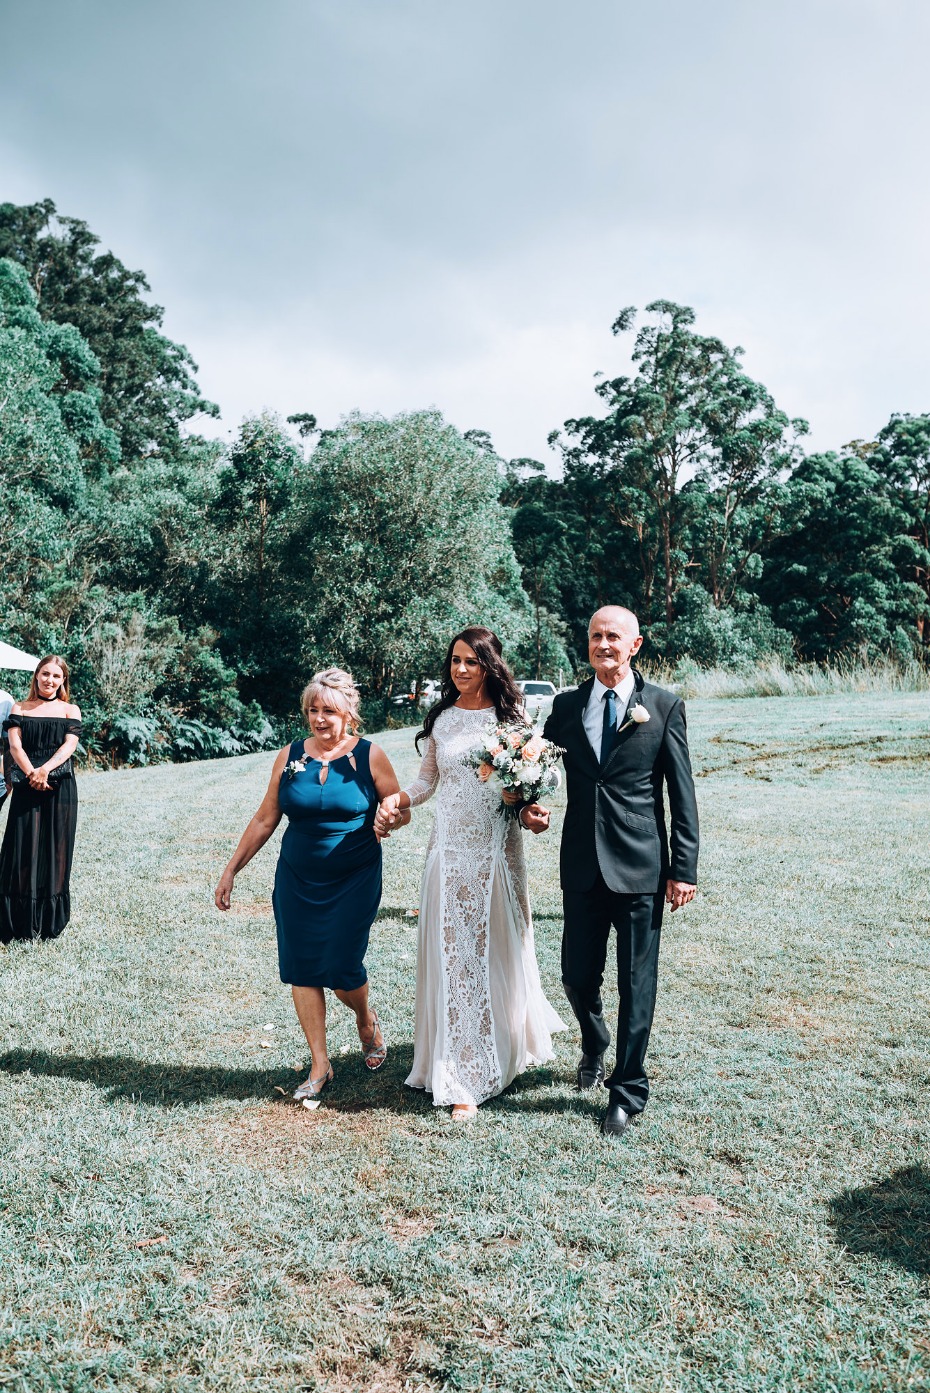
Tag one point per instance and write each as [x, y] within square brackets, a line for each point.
[336, 688]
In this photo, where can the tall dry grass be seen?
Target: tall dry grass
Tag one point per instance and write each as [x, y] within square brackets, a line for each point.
[773, 678]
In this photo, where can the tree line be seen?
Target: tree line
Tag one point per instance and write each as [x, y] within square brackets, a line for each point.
[193, 585]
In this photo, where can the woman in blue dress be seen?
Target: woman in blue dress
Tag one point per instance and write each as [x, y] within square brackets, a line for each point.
[328, 880]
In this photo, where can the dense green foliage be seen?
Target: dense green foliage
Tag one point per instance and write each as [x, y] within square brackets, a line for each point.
[841, 575]
[147, 382]
[193, 585]
[691, 501]
[400, 539]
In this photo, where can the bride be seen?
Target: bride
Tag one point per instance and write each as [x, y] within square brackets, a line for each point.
[481, 1016]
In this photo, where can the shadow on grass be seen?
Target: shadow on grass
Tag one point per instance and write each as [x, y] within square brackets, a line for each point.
[185, 1085]
[354, 1088]
[890, 1219]
[530, 1092]
[577, 1104]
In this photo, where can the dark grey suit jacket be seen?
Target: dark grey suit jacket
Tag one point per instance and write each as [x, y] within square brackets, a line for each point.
[615, 819]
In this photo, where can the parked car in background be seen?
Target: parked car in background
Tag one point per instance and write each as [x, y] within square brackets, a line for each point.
[429, 692]
[537, 696]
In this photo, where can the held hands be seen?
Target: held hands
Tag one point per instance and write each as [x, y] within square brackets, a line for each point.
[678, 893]
[38, 779]
[388, 816]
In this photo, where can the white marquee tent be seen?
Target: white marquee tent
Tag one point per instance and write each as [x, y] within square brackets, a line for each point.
[16, 659]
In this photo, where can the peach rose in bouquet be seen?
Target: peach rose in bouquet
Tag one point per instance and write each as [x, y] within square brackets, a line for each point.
[518, 760]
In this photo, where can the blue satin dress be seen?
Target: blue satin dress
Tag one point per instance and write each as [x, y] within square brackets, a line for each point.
[327, 885]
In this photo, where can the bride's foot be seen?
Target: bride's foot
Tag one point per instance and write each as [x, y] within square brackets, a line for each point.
[464, 1112]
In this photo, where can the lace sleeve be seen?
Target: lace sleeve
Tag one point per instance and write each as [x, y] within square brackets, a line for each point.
[424, 785]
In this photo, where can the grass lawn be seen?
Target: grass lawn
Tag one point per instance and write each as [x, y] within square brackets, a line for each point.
[166, 1223]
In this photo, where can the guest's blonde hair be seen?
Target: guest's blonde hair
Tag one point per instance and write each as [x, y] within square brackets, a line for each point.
[336, 688]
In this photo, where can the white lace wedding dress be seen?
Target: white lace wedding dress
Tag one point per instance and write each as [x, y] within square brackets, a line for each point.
[481, 1016]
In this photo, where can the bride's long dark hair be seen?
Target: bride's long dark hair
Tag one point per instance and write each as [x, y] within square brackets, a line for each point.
[498, 680]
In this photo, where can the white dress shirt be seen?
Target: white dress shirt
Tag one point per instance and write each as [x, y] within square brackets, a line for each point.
[594, 711]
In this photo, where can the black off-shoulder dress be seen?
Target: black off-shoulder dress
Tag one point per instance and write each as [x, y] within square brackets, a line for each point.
[38, 845]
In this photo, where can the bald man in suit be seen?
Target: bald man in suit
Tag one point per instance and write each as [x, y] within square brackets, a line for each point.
[626, 744]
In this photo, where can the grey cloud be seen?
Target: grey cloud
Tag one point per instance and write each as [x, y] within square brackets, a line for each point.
[411, 190]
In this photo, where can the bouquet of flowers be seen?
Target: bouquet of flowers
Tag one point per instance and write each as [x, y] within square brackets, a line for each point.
[518, 759]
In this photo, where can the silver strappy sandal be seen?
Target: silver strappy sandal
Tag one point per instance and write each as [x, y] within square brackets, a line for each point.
[374, 1055]
[312, 1088]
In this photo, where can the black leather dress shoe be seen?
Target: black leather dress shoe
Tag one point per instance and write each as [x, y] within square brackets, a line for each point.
[615, 1120]
[590, 1070]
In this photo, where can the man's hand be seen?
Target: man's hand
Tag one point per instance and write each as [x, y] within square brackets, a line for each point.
[679, 892]
[534, 818]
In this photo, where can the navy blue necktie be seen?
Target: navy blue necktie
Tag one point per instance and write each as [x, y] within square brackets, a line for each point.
[609, 728]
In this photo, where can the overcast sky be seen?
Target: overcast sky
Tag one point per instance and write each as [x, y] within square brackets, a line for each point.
[392, 204]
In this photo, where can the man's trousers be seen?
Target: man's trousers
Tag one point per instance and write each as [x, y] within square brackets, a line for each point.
[637, 919]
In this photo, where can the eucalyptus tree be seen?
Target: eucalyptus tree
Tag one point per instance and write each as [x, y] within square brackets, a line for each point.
[306, 424]
[154, 531]
[840, 577]
[148, 384]
[50, 430]
[901, 457]
[398, 539]
[50, 401]
[687, 459]
[249, 516]
[539, 531]
[539, 545]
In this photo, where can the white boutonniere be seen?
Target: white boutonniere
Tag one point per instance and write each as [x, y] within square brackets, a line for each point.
[638, 716]
[296, 766]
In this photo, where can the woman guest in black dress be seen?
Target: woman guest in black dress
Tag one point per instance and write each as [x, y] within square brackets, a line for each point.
[328, 880]
[38, 845]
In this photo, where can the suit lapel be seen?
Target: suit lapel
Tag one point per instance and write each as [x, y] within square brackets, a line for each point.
[577, 729]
